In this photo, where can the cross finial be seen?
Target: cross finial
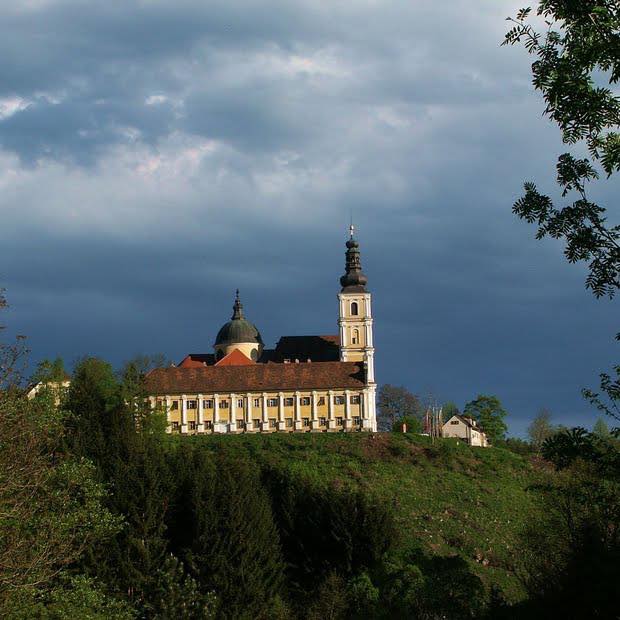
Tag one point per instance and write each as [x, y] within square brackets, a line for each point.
[351, 230]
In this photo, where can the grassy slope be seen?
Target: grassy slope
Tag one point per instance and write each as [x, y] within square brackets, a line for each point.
[450, 498]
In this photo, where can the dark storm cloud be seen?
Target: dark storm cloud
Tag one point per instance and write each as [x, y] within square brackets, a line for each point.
[157, 155]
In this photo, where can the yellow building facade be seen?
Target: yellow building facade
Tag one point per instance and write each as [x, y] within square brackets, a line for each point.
[304, 384]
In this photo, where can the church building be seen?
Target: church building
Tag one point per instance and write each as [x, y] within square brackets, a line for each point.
[304, 384]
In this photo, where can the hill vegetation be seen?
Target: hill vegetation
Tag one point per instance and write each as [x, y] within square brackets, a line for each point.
[447, 499]
[299, 526]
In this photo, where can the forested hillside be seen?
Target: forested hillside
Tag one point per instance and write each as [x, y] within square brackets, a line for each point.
[446, 499]
[105, 515]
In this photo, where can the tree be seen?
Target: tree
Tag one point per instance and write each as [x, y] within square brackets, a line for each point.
[609, 403]
[577, 575]
[12, 356]
[578, 53]
[576, 69]
[565, 447]
[413, 425]
[51, 507]
[50, 371]
[540, 428]
[93, 395]
[235, 550]
[394, 403]
[449, 409]
[601, 429]
[490, 414]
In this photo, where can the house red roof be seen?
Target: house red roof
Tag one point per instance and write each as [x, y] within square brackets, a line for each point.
[235, 358]
[255, 378]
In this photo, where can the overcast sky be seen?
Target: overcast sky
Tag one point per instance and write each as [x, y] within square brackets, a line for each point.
[156, 155]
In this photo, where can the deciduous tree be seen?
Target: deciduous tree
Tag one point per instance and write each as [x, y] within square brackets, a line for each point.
[540, 428]
[577, 68]
[490, 414]
[396, 402]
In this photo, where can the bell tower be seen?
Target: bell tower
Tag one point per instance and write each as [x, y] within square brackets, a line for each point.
[355, 320]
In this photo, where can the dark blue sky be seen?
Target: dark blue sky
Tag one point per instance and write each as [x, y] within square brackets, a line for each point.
[154, 156]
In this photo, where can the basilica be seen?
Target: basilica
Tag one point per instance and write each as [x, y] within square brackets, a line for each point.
[304, 384]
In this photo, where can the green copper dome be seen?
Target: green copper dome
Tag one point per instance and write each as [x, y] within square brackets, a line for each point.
[238, 329]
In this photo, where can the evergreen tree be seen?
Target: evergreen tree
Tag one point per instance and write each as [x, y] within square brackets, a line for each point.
[93, 395]
[326, 530]
[176, 595]
[235, 551]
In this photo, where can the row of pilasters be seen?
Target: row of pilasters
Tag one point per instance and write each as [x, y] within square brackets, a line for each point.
[230, 425]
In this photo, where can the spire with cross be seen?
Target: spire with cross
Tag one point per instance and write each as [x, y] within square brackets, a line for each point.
[353, 279]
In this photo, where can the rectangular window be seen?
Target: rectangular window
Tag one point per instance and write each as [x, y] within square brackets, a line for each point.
[289, 422]
[240, 403]
[357, 421]
[321, 401]
[306, 421]
[174, 405]
[272, 422]
[192, 404]
[322, 421]
[272, 402]
[241, 425]
[256, 423]
[339, 421]
[224, 404]
[207, 404]
[288, 402]
[355, 400]
[304, 401]
[339, 400]
[454, 422]
[208, 425]
[192, 426]
[175, 426]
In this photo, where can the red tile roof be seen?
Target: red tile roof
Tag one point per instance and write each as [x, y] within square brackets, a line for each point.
[235, 358]
[255, 378]
[197, 360]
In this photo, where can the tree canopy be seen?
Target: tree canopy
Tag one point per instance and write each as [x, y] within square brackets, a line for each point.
[396, 402]
[541, 428]
[490, 414]
[576, 68]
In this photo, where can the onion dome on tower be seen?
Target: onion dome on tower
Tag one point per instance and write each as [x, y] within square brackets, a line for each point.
[353, 281]
[238, 334]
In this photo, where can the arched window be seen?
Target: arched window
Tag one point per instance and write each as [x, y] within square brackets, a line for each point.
[355, 337]
[354, 309]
